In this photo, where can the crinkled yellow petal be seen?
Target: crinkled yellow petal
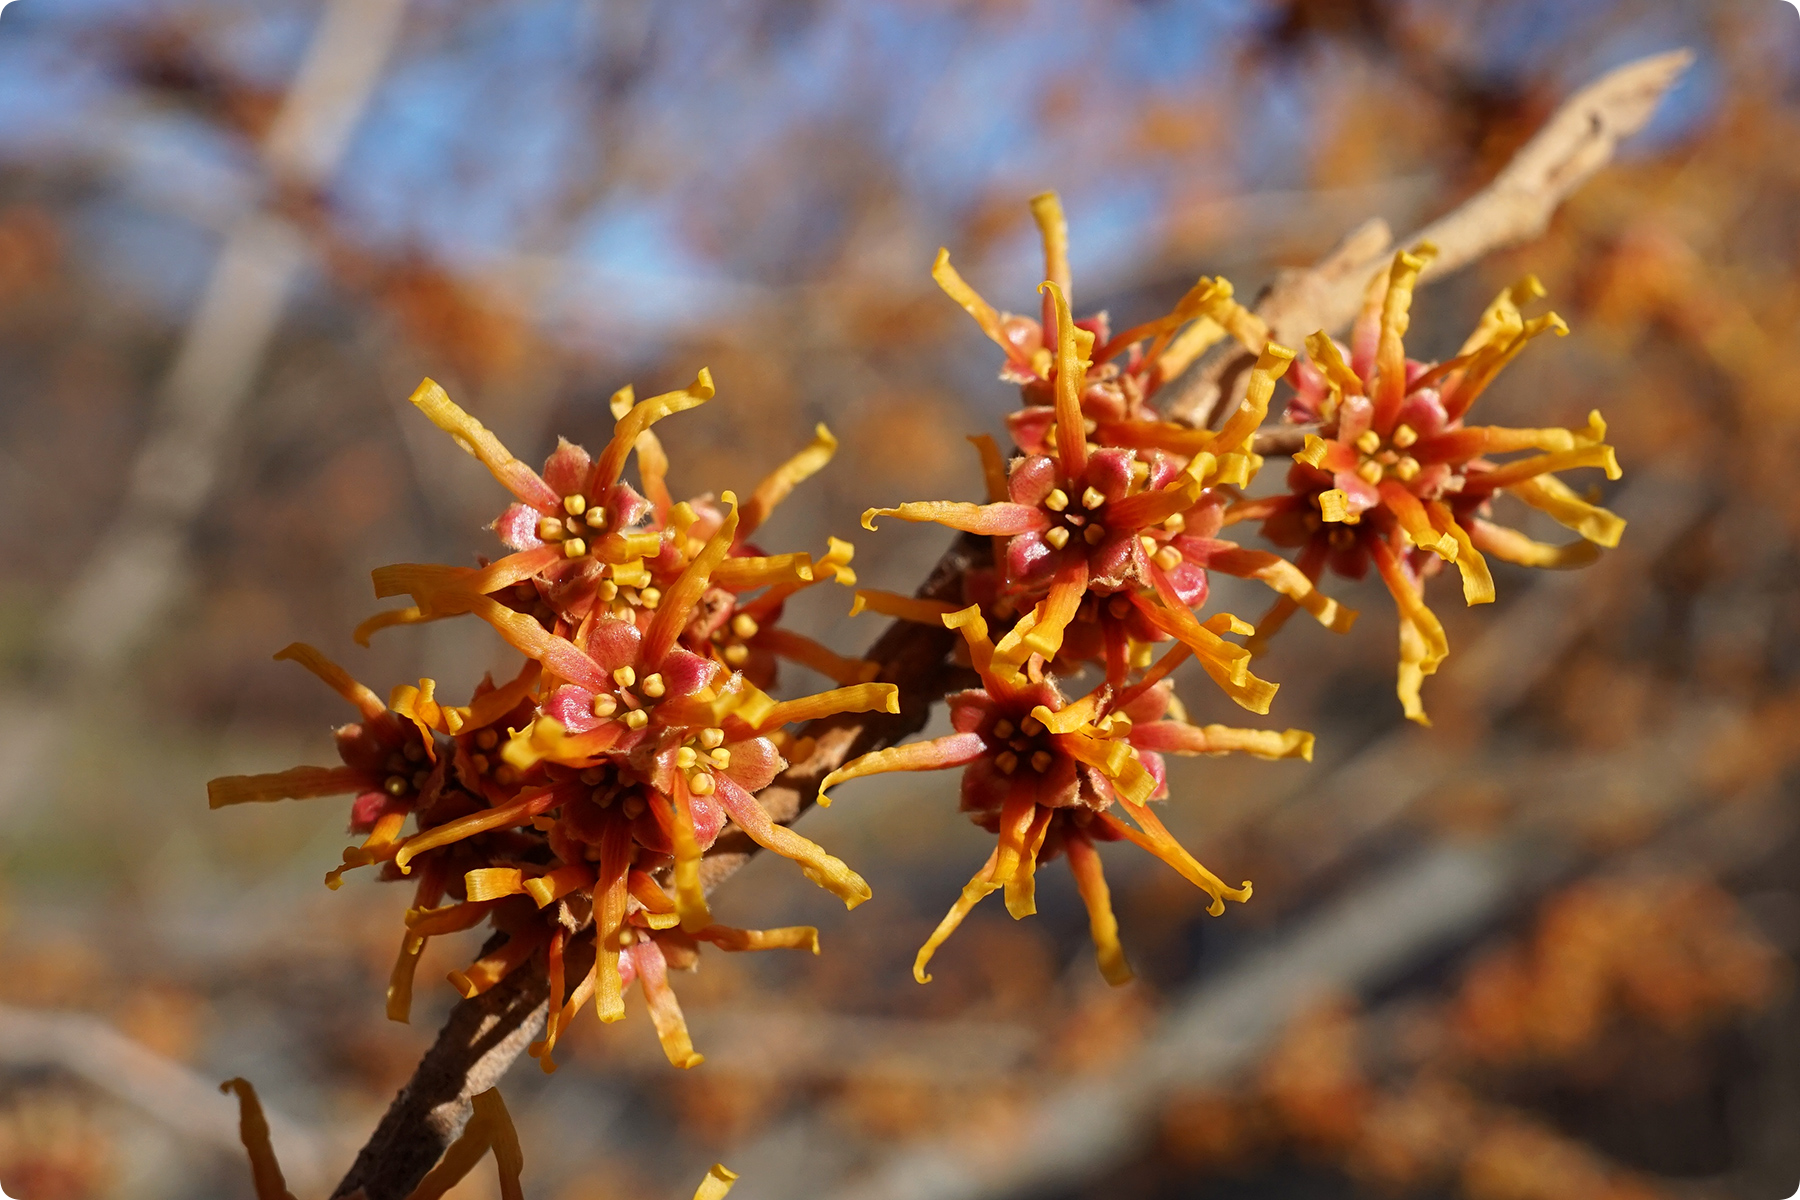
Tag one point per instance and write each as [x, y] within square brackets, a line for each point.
[1021, 889]
[1390, 381]
[1152, 836]
[334, 677]
[607, 468]
[1287, 579]
[1053, 231]
[1000, 519]
[1271, 744]
[528, 805]
[791, 937]
[491, 883]
[452, 918]
[906, 608]
[1502, 316]
[665, 1010]
[1509, 545]
[678, 602]
[717, 1183]
[1074, 351]
[958, 290]
[783, 479]
[953, 750]
[690, 898]
[798, 648]
[1477, 580]
[1551, 495]
[1323, 352]
[475, 438]
[488, 970]
[744, 573]
[1516, 472]
[978, 887]
[1240, 428]
[400, 979]
[993, 467]
[412, 614]
[552, 886]
[1334, 504]
[610, 903]
[295, 783]
[489, 1128]
[1103, 926]
[858, 697]
[1057, 610]
[253, 1131]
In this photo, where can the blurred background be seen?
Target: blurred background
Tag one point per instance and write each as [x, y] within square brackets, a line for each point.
[1545, 949]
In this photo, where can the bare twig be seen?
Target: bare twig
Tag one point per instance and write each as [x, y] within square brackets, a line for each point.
[1576, 142]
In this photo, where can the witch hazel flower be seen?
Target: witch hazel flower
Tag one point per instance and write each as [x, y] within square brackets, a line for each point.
[1098, 533]
[584, 540]
[1045, 775]
[1126, 370]
[1395, 477]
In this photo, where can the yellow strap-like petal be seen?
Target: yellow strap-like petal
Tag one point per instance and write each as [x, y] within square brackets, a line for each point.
[783, 479]
[718, 1181]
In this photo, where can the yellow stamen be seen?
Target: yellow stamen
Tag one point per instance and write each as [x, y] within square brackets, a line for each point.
[1092, 498]
[1369, 442]
[1007, 761]
[744, 626]
[654, 687]
[1057, 500]
[625, 677]
[1058, 537]
[549, 529]
[637, 718]
[1093, 534]
[712, 738]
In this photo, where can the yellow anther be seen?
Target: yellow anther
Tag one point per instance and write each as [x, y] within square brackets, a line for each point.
[607, 591]
[1168, 558]
[1368, 441]
[1092, 534]
[1369, 472]
[1175, 523]
[574, 548]
[701, 783]
[654, 687]
[1149, 544]
[650, 597]
[712, 738]
[1057, 500]
[1406, 469]
[1031, 726]
[637, 718]
[685, 758]
[487, 739]
[603, 797]
[1007, 761]
[737, 654]
[605, 706]
[596, 518]
[1058, 537]
[1140, 470]
[506, 775]
[1003, 729]
[1090, 425]
[1405, 436]
[549, 529]
[395, 786]
[745, 626]
[574, 505]
[1040, 762]
[633, 808]
[624, 677]
[721, 758]
[1092, 498]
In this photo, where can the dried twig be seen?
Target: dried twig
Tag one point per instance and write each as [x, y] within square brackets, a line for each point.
[1516, 207]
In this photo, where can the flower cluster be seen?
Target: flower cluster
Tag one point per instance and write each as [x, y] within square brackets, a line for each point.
[581, 794]
[585, 790]
[1394, 476]
[1106, 521]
